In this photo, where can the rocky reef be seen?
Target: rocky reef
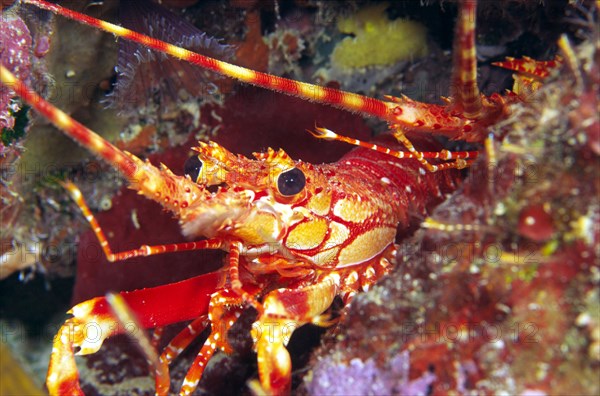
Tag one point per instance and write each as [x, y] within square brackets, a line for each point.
[497, 292]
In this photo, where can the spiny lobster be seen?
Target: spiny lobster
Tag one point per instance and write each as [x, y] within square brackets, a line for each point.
[297, 234]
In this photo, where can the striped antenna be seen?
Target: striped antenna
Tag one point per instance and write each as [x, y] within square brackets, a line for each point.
[465, 91]
[84, 136]
[311, 92]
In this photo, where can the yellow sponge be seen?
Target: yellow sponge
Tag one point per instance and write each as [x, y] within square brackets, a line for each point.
[377, 40]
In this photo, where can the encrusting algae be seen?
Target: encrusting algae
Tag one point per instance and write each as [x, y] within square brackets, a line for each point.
[378, 41]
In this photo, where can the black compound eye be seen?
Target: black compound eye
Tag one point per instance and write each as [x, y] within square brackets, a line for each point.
[291, 182]
[192, 167]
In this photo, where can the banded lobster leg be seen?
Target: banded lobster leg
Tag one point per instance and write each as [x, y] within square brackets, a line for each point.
[281, 312]
[93, 322]
[173, 192]
[223, 310]
[465, 117]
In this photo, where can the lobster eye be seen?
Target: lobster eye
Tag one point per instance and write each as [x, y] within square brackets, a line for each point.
[192, 167]
[291, 182]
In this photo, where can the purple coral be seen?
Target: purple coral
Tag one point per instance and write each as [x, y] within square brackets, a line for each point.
[15, 46]
[367, 378]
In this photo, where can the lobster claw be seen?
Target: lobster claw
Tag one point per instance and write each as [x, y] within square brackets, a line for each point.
[274, 362]
[93, 321]
[63, 378]
[282, 312]
[90, 325]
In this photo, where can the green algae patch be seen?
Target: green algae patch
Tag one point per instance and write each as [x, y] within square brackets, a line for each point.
[378, 41]
[17, 132]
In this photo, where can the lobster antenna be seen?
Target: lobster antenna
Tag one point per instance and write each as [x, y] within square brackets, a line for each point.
[311, 92]
[150, 181]
[465, 91]
[124, 163]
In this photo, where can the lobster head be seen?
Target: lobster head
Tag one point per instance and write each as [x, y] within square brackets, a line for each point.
[250, 200]
[280, 210]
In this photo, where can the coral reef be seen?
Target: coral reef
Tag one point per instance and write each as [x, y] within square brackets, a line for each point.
[493, 294]
[22, 50]
[366, 378]
[15, 45]
[498, 295]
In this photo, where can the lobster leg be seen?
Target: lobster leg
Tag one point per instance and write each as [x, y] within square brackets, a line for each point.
[459, 157]
[157, 336]
[530, 72]
[458, 163]
[224, 309]
[175, 347]
[143, 250]
[234, 276]
[284, 310]
[93, 322]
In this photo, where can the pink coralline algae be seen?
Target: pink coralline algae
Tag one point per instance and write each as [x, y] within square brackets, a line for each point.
[15, 46]
[367, 378]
